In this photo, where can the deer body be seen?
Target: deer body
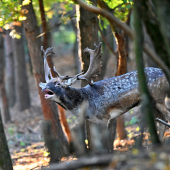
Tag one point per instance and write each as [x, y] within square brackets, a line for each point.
[109, 98]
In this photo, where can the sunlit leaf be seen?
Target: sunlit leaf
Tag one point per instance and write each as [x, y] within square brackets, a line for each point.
[7, 26]
[46, 153]
[26, 2]
[22, 18]
[50, 14]
[137, 129]
[86, 142]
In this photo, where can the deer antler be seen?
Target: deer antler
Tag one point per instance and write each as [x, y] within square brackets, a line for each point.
[94, 68]
[48, 76]
[95, 63]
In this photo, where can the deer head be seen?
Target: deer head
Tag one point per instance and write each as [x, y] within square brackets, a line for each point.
[55, 87]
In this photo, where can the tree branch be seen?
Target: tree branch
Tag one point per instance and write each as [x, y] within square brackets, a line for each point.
[88, 161]
[104, 39]
[163, 122]
[128, 31]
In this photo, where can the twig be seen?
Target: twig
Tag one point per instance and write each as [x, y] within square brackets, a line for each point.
[88, 161]
[56, 25]
[163, 122]
[104, 39]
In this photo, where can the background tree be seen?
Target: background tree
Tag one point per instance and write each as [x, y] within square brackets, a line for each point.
[34, 45]
[21, 80]
[9, 69]
[5, 158]
[88, 25]
[6, 113]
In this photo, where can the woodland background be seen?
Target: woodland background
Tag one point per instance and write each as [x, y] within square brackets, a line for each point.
[27, 25]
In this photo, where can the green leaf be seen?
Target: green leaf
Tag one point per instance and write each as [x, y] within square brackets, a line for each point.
[22, 143]
[134, 120]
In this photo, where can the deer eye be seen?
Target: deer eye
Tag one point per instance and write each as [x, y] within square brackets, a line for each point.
[56, 83]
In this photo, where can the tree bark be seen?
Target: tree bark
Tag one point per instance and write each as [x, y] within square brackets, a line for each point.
[121, 69]
[88, 25]
[147, 107]
[49, 108]
[21, 80]
[122, 64]
[6, 113]
[88, 35]
[46, 37]
[5, 158]
[9, 69]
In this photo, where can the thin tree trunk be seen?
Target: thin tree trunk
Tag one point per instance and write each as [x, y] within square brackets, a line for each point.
[5, 158]
[50, 63]
[9, 69]
[106, 52]
[76, 43]
[147, 107]
[45, 36]
[121, 69]
[49, 108]
[21, 80]
[6, 113]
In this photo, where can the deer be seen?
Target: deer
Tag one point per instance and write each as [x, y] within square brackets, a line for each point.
[109, 98]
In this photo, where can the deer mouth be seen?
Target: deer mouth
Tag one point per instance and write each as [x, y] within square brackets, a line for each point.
[48, 94]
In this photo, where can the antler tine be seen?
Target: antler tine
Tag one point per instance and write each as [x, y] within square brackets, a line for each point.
[49, 51]
[58, 75]
[95, 63]
[71, 80]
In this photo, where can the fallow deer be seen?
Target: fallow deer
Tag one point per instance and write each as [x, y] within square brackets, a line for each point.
[107, 99]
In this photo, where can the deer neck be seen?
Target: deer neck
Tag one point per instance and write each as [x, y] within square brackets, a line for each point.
[71, 98]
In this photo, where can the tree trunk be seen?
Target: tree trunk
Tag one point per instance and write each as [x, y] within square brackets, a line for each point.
[49, 108]
[21, 80]
[88, 25]
[88, 35]
[121, 69]
[5, 158]
[6, 113]
[46, 38]
[76, 43]
[146, 107]
[106, 52]
[9, 69]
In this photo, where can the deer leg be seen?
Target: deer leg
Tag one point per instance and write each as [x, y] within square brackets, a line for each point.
[112, 133]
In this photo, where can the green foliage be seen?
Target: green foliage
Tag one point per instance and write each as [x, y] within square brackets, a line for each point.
[120, 10]
[133, 121]
[64, 36]
[53, 8]
[11, 13]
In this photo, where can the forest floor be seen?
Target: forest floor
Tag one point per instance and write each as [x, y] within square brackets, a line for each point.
[27, 147]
